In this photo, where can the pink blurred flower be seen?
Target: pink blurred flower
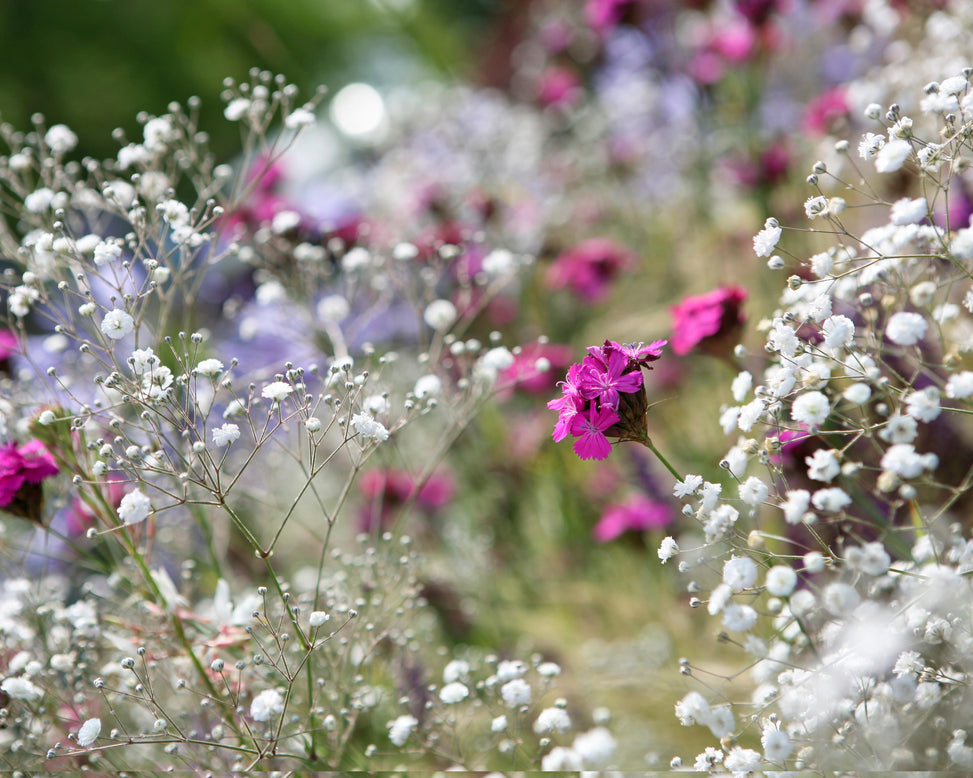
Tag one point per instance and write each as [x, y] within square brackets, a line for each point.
[636, 513]
[387, 489]
[824, 110]
[535, 367]
[703, 322]
[31, 463]
[558, 86]
[589, 268]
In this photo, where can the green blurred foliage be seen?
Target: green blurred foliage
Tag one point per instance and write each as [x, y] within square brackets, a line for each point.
[94, 64]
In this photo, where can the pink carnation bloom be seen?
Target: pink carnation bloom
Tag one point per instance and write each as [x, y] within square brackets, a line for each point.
[31, 463]
[590, 428]
[824, 110]
[700, 320]
[388, 489]
[636, 513]
[8, 344]
[558, 86]
[603, 382]
[589, 268]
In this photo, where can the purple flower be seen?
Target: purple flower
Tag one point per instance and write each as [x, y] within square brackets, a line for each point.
[703, 320]
[590, 427]
[31, 464]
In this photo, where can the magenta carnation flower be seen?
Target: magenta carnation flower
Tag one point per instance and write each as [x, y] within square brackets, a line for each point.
[706, 320]
[21, 472]
[603, 382]
[589, 426]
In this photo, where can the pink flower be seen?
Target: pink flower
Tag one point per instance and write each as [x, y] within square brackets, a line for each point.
[31, 464]
[603, 382]
[567, 405]
[603, 15]
[636, 513]
[387, 490]
[589, 268]
[8, 345]
[590, 428]
[638, 354]
[558, 86]
[526, 373]
[705, 320]
[824, 110]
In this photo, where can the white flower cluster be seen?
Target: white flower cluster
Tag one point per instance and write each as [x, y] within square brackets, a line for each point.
[843, 581]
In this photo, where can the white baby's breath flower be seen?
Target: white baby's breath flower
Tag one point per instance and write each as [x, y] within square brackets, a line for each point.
[909, 211]
[923, 404]
[317, 618]
[440, 315]
[892, 156]
[225, 435]
[811, 408]
[106, 251]
[236, 109]
[453, 692]
[117, 324]
[857, 393]
[960, 386]
[21, 689]
[830, 500]
[552, 721]
[687, 486]
[516, 692]
[266, 705]
[89, 732]
[739, 573]
[401, 728]
[906, 328]
[766, 240]
[299, 117]
[428, 386]
[277, 391]
[668, 548]
[367, 426]
[134, 507]
[780, 580]
[209, 367]
[796, 505]
[838, 331]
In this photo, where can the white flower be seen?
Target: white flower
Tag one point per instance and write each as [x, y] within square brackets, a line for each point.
[815, 206]
[707, 760]
[401, 728]
[209, 367]
[333, 308]
[780, 580]
[516, 692]
[923, 405]
[277, 391]
[741, 386]
[871, 559]
[499, 263]
[960, 386]
[796, 505]
[89, 732]
[366, 425]
[453, 692]
[776, 744]
[117, 324]
[157, 133]
[831, 500]
[266, 705]
[106, 251]
[814, 561]
[667, 549]
[906, 328]
[552, 720]
[902, 460]
[508, 669]
[60, 138]
[687, 486]
[693, 709]
[21, 689]
[750, 413]
[899, 429]
[840, 598]
[892, 156]
[317, 618]
[499, 724]
[549, 669]
[440, 315]
[822, 465]
[753, 491]
[953, 85]
[299, 117]
[857, 393]
[134, 507]
[821, 264]
[236, 109]
[142, 359]
[870, 145]
[719, 598]
[742, 761]
[739, 573]
[765, 241]
[596, 747]
[907, 211]
[225, 435]
[811, 408]
[456, 670]
[739, 618]
[428, 386]
[838, 331]
[561, 759]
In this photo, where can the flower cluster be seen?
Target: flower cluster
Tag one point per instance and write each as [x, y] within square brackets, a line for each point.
[604, 395]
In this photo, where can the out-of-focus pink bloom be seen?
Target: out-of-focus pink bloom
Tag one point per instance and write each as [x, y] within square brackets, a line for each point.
[636, 513]
[757, 12]
[769, 168]
[824, 110]
[558, 87]
[386, 490]
[705, 320]
[28, 464]
[735, 42]
[603, 15]
[589, 268]
[8, 344]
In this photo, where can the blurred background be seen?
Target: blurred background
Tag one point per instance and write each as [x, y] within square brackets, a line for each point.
[94, 64]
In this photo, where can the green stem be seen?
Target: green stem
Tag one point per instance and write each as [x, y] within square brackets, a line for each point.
[662, 459]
